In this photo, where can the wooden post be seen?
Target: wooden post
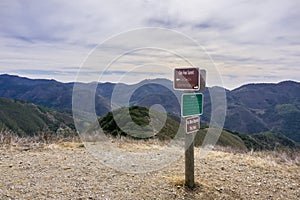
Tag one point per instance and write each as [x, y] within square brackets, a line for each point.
[190, 80]
[189, 160]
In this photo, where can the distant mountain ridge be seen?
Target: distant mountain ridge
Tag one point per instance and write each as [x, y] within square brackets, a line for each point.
[48, 93]
[251, 108]
[255, 108]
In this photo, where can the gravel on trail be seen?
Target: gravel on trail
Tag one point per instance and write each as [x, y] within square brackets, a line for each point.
[60, 172]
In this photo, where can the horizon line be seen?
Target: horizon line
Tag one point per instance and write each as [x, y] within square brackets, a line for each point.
[70, 82]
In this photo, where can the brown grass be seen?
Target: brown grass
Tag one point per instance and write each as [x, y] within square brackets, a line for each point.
[179, 181]
[71, 145]
[261, 159]
[287, 156]
[9, 139]
[132, 145]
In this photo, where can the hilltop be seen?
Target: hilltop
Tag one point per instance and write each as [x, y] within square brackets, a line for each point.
[140, 116]
[72, 173]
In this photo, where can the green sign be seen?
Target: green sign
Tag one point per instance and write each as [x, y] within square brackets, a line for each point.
[191, 104]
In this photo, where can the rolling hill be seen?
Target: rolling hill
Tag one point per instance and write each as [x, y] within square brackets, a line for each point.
[251, 108]
[140, 115]
[27, 119]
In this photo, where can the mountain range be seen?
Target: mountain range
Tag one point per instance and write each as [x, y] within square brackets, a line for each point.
[251, 108]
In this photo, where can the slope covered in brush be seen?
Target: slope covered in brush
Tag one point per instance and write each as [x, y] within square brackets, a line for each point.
[27, 119]
[136, 122]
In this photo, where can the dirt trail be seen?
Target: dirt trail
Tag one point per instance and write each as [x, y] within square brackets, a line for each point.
[58, 172]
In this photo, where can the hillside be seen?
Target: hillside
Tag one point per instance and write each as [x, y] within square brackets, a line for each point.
[267, 141]
[252, 108]
[258, 108]
[140, 115]
[27, 119]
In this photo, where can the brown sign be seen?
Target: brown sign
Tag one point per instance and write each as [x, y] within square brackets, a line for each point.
[187, 79]
[192, 124]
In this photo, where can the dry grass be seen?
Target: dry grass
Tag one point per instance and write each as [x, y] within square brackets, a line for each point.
[71, 145]
[259, 158]
[141, 146]
[179, 181]
[287, 156]
[228, 149]
[9, 139]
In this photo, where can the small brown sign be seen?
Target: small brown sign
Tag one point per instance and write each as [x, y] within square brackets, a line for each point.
[192, 124]
[187, 79]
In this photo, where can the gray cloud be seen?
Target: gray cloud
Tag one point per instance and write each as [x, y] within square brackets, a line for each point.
[240, 35]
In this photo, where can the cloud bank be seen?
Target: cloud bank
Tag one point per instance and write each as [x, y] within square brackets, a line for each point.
[249, 41]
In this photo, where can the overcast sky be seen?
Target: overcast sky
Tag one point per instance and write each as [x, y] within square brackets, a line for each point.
[248, 41]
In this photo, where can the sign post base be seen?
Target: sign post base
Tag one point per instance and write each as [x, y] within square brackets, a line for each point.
[189, 160]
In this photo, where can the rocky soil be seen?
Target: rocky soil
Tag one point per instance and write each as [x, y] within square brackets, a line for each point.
[68, 171]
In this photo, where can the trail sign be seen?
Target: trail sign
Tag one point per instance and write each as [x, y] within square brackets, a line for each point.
[191, 104]
[190, 80]
[192, 124]
[186, 79]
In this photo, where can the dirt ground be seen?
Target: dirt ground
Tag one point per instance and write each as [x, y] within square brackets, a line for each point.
[68, 171]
